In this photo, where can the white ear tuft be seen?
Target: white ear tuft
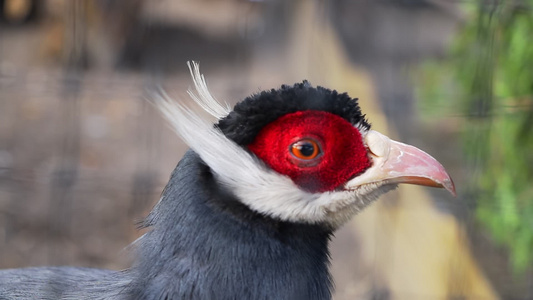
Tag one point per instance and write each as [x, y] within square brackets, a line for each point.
[203, 97]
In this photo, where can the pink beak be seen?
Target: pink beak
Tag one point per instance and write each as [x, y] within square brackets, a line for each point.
[394, 162]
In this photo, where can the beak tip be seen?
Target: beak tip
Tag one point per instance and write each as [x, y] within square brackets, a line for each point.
[449, 186]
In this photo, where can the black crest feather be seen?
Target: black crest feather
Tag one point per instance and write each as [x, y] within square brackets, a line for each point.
[249, 116]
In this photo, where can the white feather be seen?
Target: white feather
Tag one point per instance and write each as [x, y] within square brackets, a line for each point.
[203, 96]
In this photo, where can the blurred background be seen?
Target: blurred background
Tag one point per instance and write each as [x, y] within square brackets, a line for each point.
[84, 155]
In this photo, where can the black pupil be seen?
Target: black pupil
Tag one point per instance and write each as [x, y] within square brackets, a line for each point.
[307, 149]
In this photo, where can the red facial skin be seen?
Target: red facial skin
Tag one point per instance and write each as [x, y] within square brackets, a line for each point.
[342, 152]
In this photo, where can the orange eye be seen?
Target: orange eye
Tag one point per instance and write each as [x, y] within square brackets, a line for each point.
[306, 149]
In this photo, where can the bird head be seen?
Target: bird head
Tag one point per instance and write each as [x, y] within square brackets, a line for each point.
[299, 153]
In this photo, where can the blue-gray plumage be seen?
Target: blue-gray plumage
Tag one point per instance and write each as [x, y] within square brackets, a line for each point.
[217, 248]
[53, 283]
[204, 244]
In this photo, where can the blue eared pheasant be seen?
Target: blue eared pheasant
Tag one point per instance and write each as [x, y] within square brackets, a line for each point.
[249, 211]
